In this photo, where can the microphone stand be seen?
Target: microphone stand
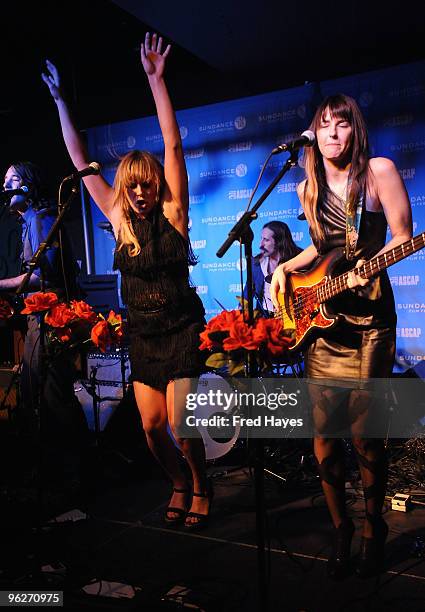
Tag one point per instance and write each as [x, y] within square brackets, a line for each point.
[242, 232]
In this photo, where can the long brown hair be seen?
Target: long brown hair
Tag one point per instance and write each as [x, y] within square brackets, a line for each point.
[135, 167]
[343, 107]
[284, 243]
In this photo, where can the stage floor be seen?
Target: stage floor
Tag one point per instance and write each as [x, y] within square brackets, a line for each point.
[120, 538]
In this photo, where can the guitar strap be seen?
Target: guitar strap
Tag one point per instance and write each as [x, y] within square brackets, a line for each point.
[352, 227]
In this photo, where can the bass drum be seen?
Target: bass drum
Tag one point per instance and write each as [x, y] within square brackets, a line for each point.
[217, 440]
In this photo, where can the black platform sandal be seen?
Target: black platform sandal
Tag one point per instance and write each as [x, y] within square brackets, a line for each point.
[372, 550]
[181, 512]
[202, 519]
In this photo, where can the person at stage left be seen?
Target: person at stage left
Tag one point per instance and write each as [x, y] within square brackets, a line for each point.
[276, 247]
[63, 423]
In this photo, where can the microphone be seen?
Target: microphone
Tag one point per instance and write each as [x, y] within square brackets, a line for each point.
[306, 139]
[7, 194]
[92, 168]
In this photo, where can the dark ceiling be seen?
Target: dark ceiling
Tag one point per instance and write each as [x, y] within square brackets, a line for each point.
[221, 50]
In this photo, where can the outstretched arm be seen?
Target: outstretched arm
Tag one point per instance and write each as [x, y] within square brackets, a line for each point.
[176, 199]
[99, 189]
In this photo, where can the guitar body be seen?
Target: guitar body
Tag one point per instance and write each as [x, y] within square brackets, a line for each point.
[300, 309]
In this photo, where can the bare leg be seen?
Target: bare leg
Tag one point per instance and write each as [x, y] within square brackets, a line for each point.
[192, 448]
[153, 410]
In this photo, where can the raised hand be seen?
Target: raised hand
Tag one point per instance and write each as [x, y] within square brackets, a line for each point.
[153, 60]
[52, 80]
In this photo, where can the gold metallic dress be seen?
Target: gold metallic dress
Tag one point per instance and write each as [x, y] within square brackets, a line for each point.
[362, 345]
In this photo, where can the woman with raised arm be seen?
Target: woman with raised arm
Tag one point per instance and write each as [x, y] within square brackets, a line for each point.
[348, 199]
[148, 209]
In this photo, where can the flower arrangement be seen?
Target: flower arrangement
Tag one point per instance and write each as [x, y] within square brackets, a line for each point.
[227, 336]
[74, 323]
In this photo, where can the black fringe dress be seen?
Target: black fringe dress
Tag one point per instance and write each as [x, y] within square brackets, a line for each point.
[165, 314]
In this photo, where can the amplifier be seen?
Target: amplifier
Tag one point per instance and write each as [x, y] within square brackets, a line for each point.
[104, 373]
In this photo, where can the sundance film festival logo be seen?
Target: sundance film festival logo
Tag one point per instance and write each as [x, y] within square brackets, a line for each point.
[153, 138]
[183, 132]
[409, 147]
[222, 266]
[240, 122]
[285, 213]
[131, 142]
[418, 200]
[408, 92]
[241, 170]
[416, 307]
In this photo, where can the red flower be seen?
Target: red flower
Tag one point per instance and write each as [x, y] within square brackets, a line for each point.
[277, 340]
[101, 335]
[260, 331]
[84, 311]
[240, 336]
[60, 315]
[220, 323]
[38, 302]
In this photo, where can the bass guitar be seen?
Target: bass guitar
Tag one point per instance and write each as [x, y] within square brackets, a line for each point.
[303, 306]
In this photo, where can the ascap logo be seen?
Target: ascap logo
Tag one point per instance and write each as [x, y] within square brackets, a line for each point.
[212, 312]
[418, 200]
[183, 132]
[407, 92]
[235, 288]
[282, 212]
[297, 236]
[198, 244]
[194, 153]
[278, 116]
[240, 122]
[398, 120]
[202, 289]
[409, 147]
[287, 187]
[405, 280]
[407, 173]
[197, 199]
[240, 265]
[237, 147]
[131, 142]
[409, 332]
[412, 308]
[239, 194]
[365, 99]
[241, 170]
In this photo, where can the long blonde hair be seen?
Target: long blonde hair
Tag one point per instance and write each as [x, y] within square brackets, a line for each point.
[346, 108]
[135, 167]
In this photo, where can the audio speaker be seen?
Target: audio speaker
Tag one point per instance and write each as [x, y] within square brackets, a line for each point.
[107, 374]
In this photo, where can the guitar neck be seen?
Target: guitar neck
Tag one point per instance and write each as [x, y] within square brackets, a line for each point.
[372, 267]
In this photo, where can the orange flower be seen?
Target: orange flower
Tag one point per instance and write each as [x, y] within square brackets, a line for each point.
[60, 315]
[38, 302]
[101, 335]
[84, 311]
[63, 334]
[260, 331]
